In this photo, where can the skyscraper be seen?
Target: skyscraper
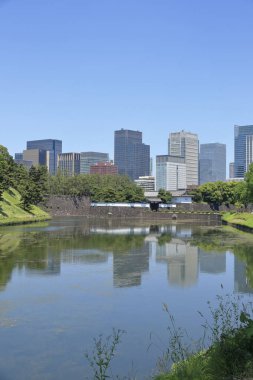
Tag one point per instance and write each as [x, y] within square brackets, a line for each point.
[231, 170]
[54, 147]
[212, 162]
[170, 173]
[186, 145]
[91, 158]
[130, 154]
[36, 156]
[69, 163]
[243, 135]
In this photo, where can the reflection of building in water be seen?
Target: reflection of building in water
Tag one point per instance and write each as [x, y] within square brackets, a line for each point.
[182, 262]
[121, 231]
[84, 256]
[241, 283]
[51, 265]
[129, 266]
[212, 262]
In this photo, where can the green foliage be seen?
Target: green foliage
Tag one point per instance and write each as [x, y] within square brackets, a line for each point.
[6, 170]
[100, 188]
[230, 340]
[196, 195]
[165, 196]
[249, 183]
[218, 193]
[164, 238]
[231, 357]
[11, 211]
[102, 354]
[193, 368]
[33, 187]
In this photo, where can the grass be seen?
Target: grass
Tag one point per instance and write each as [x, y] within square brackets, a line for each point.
[12, 213]
[243, 219]
[227, 356]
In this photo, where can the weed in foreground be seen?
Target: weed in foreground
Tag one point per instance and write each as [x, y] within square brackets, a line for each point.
[225, 351]
[102, 354]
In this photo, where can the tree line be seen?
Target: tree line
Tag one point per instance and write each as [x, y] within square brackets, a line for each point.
[32, 184]
[217, 193]
[36, 183]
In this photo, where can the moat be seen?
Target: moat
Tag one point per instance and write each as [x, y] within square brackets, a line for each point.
[64, 282]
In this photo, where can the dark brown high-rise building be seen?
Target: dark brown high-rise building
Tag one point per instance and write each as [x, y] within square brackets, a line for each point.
[103, 168]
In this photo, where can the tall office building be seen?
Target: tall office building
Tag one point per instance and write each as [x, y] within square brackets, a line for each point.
[18, 156]
[231, 170]
[170, 173]
[104, 168]
[243, 149]
[147, 183]
[69, 163]
[36, 156]
[130, 154]
[186, 145]
[54, 147]
[87, 159]
[212, 162]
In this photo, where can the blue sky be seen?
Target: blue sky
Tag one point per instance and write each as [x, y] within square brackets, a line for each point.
[78, 70]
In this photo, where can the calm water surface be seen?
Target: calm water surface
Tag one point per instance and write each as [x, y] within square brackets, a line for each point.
[63, 283]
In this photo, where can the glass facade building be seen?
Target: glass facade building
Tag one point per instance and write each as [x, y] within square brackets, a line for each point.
[212, 162]
[54, 147]
[130, 155]
[186, 145]
[87, 159]
[243, 150]
[36, 156]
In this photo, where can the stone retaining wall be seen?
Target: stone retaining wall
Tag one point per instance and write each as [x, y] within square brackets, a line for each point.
[80, 206]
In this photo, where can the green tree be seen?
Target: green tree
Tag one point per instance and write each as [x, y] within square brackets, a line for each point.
[241, 194]
[165, 196]
[249, 183]
[196, 195]
[100, 188]
[34, 186]
[6, 170]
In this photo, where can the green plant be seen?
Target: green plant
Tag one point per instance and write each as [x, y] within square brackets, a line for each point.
[102, 354]
[225, 352]
[178, 352]
[232, 356]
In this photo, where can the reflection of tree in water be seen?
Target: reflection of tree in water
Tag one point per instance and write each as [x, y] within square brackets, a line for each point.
[164, 238]
[214, 239]
[40, 252]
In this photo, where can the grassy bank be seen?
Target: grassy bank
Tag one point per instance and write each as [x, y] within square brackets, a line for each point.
[229, 354]
[12, 213]
[242, 219]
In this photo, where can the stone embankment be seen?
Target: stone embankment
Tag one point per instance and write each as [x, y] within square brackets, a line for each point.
[80, 206]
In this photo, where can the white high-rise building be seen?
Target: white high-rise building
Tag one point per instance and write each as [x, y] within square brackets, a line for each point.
[186, 145]
[170, 173]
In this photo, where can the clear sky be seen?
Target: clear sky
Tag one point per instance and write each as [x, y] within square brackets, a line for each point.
[77, 70]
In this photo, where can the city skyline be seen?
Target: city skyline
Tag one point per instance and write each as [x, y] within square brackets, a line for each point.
[77, 72]
[104, 157]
